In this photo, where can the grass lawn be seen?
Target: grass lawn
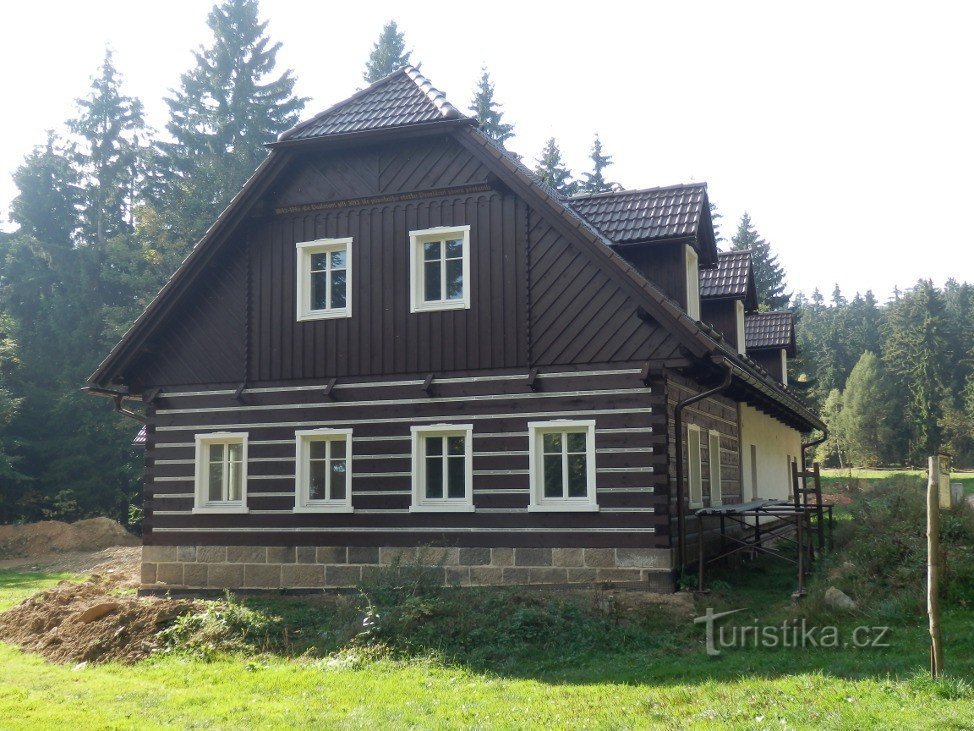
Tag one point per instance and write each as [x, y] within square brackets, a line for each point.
[673, 686]
[832, 476]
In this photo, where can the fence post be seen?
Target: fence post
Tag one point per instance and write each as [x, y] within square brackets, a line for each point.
[933, 567]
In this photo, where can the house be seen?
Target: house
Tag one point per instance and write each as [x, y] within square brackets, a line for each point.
[395, 337]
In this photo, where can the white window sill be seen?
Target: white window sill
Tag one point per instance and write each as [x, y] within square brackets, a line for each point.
[220, 509]
[324, 314]
[324, 509]
[444, 305]
[582, 507]
[441, 508]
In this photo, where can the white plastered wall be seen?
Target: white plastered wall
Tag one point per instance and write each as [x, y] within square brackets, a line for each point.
[776, 445]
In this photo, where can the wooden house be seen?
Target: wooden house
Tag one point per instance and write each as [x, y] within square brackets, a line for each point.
[396, 337]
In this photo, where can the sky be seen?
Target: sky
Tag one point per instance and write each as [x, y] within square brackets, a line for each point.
[844, 129]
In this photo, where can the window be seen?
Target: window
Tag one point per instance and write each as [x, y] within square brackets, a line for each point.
[562, 457]
[439, 265]
[784, 366]
[694, 467]
[221, 473]
[323, 471]
[754, 472]
[324, 279]
[716, 494]
[741, 340]
[693, 283]
[443, 468]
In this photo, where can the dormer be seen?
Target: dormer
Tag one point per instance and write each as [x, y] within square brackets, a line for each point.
[727, 295]
[665, 233]
[770, 338]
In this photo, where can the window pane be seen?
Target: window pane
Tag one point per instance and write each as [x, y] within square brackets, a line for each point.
[236, 452]
[431, 281]
[434, 477]
[552, 443]
[338, 259]
[215, 483]
[338, 449]
[454, 279]
[316, 487]
[577, 483]
[236, 482]
[434, 445]
[576, 441]
[455, 476]
[431, 251]
[455, 445]
[338, 474]
[454, 248]
[552, 476]
[319, 291]
[319, 262]
[338, 288]
[317, 449]
[216, 453]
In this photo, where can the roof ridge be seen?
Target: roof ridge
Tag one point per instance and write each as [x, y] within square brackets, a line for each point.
[634, 191]
[436, 97]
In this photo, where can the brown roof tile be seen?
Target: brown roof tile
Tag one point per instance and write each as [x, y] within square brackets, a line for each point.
[403, 98]
[642, 215]
[729, 278]
[769, 330]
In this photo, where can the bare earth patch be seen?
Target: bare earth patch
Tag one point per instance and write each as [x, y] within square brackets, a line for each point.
[53, 536]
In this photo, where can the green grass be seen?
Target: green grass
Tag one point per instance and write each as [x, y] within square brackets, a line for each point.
[676, 687]
[833, 476]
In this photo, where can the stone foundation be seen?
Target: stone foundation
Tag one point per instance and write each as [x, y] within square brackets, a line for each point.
[336, 567]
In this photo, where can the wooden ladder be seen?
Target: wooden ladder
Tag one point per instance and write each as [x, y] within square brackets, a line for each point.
[807, 484]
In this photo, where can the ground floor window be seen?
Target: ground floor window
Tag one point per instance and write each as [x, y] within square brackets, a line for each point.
[562, 457]
[442, 471]
[323, 459]
[694, 467]
[221, 473]
[716, 493]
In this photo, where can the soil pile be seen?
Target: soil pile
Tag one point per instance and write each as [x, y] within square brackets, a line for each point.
[53, 536]
[89, 622]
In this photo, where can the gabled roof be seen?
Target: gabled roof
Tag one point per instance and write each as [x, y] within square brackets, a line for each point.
[404, 97]
[764, 330]
[733, 278]
[631, 216]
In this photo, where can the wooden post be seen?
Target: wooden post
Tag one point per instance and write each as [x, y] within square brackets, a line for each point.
[933, 567]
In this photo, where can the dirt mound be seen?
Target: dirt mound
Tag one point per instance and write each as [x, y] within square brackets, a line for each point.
[89, 622]
[53, 536]
[120, 563]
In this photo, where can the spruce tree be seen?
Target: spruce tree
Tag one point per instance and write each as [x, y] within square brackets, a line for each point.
[552, 171]
[595, 181]
[487, 111]
[867, 415]
[226, 109]
[388, 54]
[769, 275]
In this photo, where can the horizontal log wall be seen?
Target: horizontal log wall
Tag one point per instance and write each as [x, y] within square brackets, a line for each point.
[631, 472]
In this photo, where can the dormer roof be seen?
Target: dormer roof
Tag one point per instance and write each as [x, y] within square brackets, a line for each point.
[732, 278]
[770, 331]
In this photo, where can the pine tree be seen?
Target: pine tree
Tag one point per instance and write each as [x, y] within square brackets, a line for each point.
[552, 171]
[388, 54]
[769, 275]
[487, 111]
[595, 181]
[226, 109]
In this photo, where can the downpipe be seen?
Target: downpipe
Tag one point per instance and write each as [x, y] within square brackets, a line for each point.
[680, 487]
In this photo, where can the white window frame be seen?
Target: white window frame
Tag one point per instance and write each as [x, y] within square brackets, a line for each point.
[422, 504]
[305, 250]
[201, 501]
[538, 502]
[693, 282]
[694, 468]
[302, 464]
[716, 487]
[784, 366]
[416, 280]
[739, 317]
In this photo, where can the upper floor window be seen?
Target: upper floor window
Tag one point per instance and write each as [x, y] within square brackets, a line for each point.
[442, 467]
[439, 265]
[221, 473]
[562, 465]
[693, 283]
[323, 459]
[324, 279]
[739, 321]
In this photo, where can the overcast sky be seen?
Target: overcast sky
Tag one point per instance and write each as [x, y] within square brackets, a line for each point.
[845, 129]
